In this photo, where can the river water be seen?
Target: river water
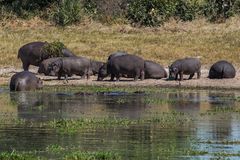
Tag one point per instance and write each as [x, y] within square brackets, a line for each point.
[209, 128]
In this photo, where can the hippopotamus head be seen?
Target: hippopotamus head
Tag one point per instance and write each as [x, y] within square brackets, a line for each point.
[173, 71]
[102, 72]
[54, 68]
[39, 83]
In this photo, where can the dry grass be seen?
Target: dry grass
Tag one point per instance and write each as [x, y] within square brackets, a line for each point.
[164, 44]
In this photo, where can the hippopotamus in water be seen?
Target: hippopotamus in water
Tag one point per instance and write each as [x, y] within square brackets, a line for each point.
[188, 66]
[154, 70]
[25, 81]
[130, 65]
[43, 67]
[32, 54]
[222, 69]
[71, 65]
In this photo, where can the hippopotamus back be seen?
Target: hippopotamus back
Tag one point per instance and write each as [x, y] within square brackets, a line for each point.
[154, 70]
[33, 54]
[222, 69]
[25, 81]
[187, 66]
[129, 65]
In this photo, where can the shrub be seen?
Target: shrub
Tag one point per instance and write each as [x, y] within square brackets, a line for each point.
[150, 12]
[236, 7]
[67, 12]
[53, 49]
[25, 8]
[105, 10]
[218, 10]
[187, 10]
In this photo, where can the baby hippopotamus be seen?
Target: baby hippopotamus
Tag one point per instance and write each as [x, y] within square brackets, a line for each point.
[188, 66]
[25, 81]
[222, 69]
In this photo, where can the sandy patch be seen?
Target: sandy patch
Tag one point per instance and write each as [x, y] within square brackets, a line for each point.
[203, 82]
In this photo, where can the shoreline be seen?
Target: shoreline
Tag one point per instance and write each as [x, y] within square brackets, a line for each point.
[202, 83]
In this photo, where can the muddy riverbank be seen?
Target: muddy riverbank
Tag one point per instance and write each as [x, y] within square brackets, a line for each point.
[203, 82]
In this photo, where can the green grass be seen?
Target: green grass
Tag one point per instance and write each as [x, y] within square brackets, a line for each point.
[162, 120]
[92, 156]
[70, 155]
[165, 44]
[17, 156]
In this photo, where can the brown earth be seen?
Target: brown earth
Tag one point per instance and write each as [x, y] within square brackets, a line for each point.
[203, 82]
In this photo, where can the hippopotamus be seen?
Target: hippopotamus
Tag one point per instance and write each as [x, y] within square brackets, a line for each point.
[222, 69]
[43, 67]
[116, 54]
[154, 70]
[95, 66]
[130, 65]
[71, 65]
[25, 81]
[188, 66]
[32, 54]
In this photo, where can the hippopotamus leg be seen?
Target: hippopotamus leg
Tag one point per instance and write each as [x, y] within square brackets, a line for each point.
[191, 76]
[112, 77]
[25, 66]
[176, 78]
[59, 76]
[66, 78]
[118, 77]
[88, 76]
[198, 74]
[142, 75]
[181, 76]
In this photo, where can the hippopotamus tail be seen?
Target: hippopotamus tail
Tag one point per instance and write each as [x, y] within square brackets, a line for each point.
[17, 86]
[19, 52]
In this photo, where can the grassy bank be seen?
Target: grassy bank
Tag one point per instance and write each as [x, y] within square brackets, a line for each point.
[163, 44]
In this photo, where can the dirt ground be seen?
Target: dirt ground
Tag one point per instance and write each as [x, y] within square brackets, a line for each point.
[203, 82]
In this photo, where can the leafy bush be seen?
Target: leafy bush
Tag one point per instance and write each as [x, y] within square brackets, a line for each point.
[25, 8]
[67, 12]
[150, 12]
[53, 49]
[218, 10]
[236, 7]
[105, 10]
[187, 10]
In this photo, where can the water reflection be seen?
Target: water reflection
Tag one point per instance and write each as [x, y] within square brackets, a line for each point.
[145, 141]
[47, 106]
[188, 102]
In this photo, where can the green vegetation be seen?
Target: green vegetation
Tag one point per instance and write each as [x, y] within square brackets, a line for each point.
[67, 12]
[224, 154]
[54, 148]
[224, 142]
[70, 155]
[142, 12]
[92, 155]
[162, 120]
[53, 49]
[17, 156]
[150, 100]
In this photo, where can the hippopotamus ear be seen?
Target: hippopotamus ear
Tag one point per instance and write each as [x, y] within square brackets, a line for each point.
[175, 69]
[39, 80]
